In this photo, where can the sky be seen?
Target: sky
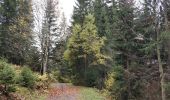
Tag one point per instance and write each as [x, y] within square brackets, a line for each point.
[67, 7]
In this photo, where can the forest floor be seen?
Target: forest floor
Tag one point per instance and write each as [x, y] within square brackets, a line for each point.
[62, 91]
[58, 91]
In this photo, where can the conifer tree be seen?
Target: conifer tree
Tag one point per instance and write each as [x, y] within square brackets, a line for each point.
[82, 8]
[8, 14]
[16, 32]
[83, 48]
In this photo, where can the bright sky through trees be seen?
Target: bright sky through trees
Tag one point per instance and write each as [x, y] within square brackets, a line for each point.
[67, 6]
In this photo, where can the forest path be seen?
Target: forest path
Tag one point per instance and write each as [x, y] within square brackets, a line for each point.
[63, 91]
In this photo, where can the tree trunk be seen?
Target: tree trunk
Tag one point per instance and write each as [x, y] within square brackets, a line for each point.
[46, 53]
[161, 70]
[85, 65]
[161, 73]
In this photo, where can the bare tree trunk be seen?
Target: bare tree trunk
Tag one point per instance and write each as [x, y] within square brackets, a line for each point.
[85, 65]
[157, 31]
[161, 73]
[161, 70]
[46, 29]
[45, 61]
[46, 51]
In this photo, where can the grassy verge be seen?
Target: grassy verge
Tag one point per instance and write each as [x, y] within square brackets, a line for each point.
[91, 94]
[31, 94]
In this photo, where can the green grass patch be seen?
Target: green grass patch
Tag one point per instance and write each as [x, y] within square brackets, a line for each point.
[90, 94]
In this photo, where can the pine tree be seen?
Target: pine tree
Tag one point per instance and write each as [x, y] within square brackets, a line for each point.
[22, 28]
[16, 30]
[102, 17]
[7, 78]
[82, 8]
[123, 37]
[83, 48]
[8, 14]
[151, 22]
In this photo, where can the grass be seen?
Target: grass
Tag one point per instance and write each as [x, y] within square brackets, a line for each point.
[30, 94]
[90, 94]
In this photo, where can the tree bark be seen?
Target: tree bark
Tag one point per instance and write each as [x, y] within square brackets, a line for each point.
[161, 70]
[162, 82]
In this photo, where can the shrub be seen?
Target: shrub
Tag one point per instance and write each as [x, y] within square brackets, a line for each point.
[27, 78]
[42, 81]
[115, 83]
[109, 81]
[3, 63]
[7, 78]
[91, 77]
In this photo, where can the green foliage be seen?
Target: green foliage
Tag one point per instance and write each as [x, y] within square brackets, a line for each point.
[82, 8]
[27, 78]
[7, 78]
[85, 46]
[7, 75]
[92, 77]
[15, 30]
[91, 94]
[86, 39]
[3, 63]
[165, 35]
[115, 83]
[43, 81]
[110, 80]
[30, 94]
[63, 75]
[167, 87]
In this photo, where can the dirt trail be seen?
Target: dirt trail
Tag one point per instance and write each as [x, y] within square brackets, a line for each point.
[62, 91]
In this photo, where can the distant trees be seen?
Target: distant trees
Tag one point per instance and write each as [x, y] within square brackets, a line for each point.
[16, 32]
[49, 32]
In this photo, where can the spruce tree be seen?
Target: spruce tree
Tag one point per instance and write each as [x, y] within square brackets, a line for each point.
[83, 48]
[82, 8]
[8, 14]
[16, 30]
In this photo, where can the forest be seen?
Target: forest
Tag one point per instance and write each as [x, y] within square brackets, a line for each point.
[110, 50]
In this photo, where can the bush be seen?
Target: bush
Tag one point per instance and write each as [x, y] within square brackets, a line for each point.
[115, 83]
[42, 81]
[7, 78]
[92, 76]
[3, 63]
[27, 78]
[109, 82]
[61, 77]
